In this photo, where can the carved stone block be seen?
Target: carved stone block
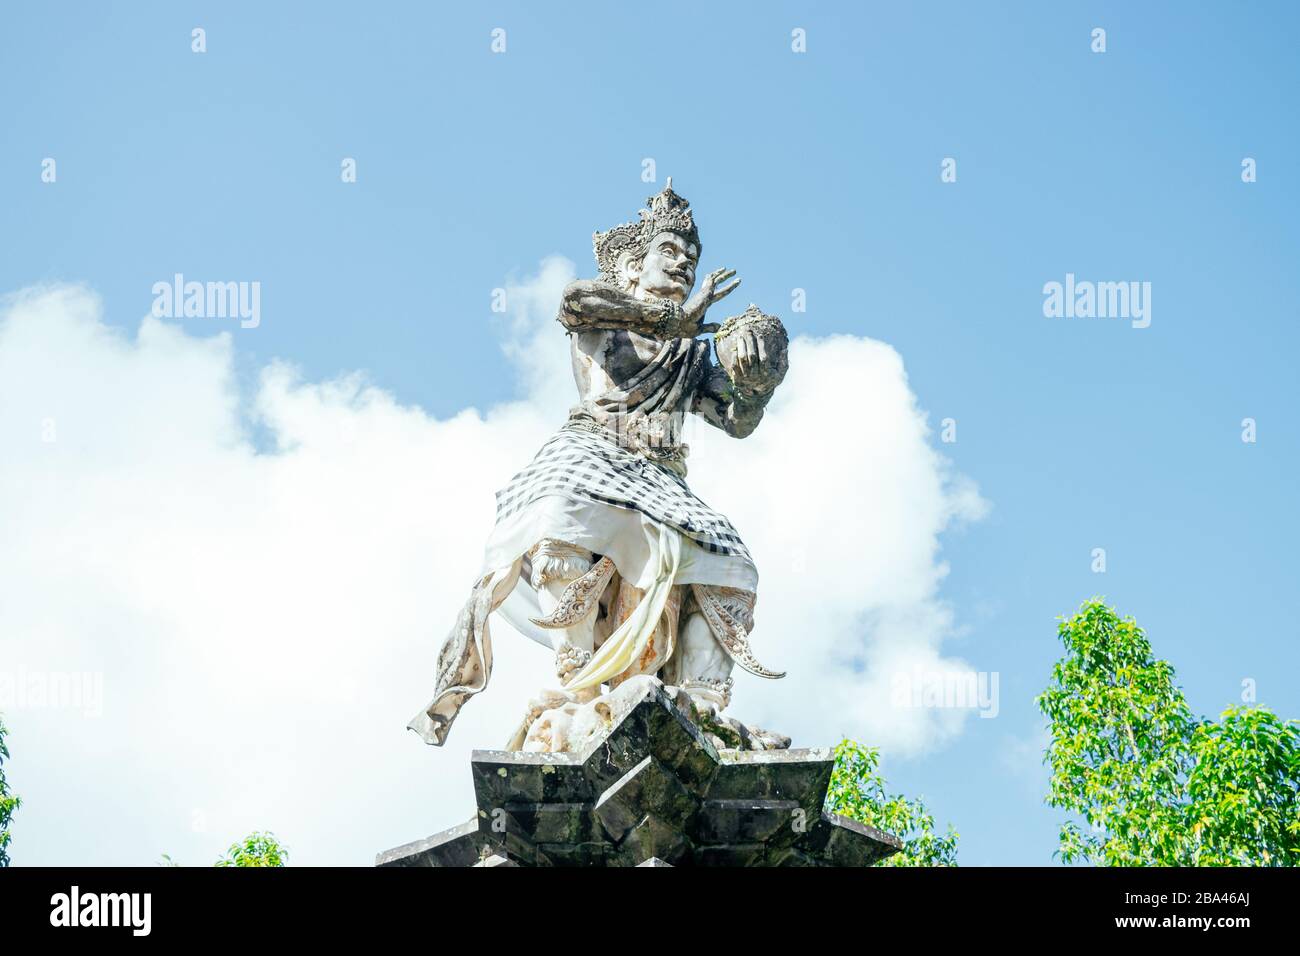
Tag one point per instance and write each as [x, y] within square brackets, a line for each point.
[651, 791]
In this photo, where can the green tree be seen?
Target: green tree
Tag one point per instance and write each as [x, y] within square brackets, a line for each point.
[256, 849]
[1244, 790]
[1152, 785]
[8, 802]
[857, 790]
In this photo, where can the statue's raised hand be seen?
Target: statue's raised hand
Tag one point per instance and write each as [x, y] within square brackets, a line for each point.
[711, 290]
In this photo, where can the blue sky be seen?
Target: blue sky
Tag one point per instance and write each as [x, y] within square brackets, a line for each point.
[817, 170]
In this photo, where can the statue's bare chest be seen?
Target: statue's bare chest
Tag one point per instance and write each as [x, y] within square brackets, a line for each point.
[606, 359]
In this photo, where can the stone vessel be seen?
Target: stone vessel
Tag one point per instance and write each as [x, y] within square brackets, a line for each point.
[760, 373]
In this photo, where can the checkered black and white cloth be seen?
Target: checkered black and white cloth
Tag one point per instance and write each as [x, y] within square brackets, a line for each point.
[580, 463]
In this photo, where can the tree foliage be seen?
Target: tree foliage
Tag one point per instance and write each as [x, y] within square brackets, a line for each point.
[9, 802]
[1244, 790]
[857, 790]
[256, 849]
[1146, 782]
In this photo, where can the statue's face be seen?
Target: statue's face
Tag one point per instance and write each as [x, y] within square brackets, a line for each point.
[668, 269]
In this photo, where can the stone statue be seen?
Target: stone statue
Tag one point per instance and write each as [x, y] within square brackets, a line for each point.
[600, 550]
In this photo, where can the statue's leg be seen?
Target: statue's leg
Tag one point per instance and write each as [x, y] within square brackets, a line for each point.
[555, 565]
[702, 668]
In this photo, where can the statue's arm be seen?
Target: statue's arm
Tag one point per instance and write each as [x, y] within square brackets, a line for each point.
[592, 304]
[723, 405]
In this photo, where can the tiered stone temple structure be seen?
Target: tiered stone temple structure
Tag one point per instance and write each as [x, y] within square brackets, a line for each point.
[652, 791]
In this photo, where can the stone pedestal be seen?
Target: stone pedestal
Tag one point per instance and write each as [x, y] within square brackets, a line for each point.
[652, 791]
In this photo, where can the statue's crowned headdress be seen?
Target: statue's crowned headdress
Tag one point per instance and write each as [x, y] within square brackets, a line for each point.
[668, 212]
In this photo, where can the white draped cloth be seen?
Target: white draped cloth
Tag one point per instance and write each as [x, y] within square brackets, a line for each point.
[629, 538]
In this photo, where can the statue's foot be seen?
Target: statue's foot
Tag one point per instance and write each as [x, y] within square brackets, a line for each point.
[562, 721]
[725, 733]
[584, 696]
[770, 739]
[547, 699]
[709, 696]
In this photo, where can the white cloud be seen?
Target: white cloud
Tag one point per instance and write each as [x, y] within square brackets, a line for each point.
[266, 622]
